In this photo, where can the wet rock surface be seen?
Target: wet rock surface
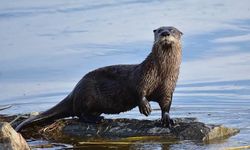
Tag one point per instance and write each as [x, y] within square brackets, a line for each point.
[121, 131]
[184, 129]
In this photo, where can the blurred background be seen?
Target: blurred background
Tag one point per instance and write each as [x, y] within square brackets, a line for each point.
[46, 47]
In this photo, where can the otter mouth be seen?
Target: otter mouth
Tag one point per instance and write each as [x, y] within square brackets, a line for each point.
[167, 41]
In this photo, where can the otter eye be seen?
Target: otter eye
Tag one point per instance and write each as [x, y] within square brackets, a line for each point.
[172, 30]
[160, 30]
[154, 31]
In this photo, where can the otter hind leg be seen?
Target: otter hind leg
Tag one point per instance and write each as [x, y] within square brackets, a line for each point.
[90, 118]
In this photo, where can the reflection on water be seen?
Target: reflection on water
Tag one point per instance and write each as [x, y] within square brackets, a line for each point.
[47, 46]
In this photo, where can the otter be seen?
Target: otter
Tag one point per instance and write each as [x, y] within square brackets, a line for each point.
[120, 88]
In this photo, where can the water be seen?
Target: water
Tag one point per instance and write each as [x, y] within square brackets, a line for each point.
[47, 46]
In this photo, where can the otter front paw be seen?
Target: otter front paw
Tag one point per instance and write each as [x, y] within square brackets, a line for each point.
[145, 107]
[166, 121]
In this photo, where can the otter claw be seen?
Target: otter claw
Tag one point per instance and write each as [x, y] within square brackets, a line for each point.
[145, 107]
[166, 121]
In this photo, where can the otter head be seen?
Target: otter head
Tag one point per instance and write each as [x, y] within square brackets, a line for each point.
[167, 35]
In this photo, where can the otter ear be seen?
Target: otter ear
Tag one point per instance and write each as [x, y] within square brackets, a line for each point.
[180, 32]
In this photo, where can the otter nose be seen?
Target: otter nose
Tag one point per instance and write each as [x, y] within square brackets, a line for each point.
[165, 33]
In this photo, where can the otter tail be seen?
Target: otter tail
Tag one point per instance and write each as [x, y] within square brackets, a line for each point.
[61, 110]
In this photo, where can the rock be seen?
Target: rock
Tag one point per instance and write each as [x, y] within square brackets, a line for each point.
[10, 139]
[184, 129]
[219, 132]
[34, 113]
